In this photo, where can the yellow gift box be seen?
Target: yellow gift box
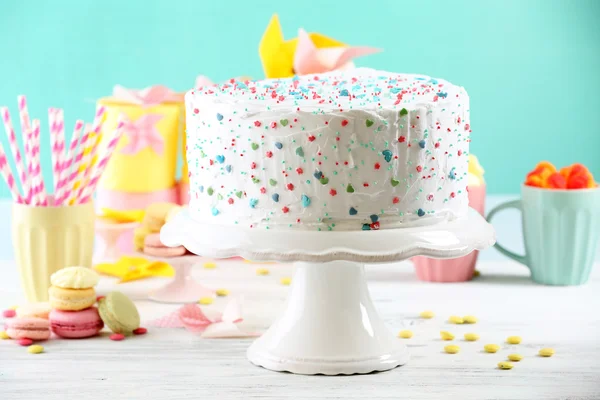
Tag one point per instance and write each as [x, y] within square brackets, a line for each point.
[145, 160]
[184, 169]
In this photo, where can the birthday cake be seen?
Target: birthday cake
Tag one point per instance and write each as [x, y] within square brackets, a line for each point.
[346, 150]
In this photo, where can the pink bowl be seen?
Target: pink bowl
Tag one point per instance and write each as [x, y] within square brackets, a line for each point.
[456, 269]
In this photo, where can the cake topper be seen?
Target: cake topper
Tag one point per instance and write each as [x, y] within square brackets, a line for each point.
[310, 53]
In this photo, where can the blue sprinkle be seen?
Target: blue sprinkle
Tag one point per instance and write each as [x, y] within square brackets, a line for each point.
[305, 201]
[422, 144]
[253, 202]
[219, 117]
[366, 227]
[419, 79]
[201, 189]
[434, 81]
[318, 174]
[353, 211]
[420, 212]
[361, 96]
[215, 212]
[452, 174]
[278, 145]
[376, 98]
[275, 197]
[241, 85]
[344, 92]
[387, 154]
[228, 168]
[356, 87]
[374, 218]
[220, 159]
[395, 90]
[443, 95]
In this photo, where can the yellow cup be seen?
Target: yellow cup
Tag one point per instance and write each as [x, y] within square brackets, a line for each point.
[46, 239]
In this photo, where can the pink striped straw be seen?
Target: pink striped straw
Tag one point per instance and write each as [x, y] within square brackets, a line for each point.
[60, 143]
[90, 188]
[8, 176]
[52, 117]
[39, 191]
[14, 146]
[26, 130]
[77, 161]
[92, 156]
[68, 161]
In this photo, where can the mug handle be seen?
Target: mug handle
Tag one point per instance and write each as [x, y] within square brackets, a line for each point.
[510, 204]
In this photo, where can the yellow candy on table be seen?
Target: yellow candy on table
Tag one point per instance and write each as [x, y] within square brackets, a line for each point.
[286, 281]
[427, 314]
[515, 357]
[222, 292]
[205, 301]
[262, 271]
[455, 320]
[210, 265]
[452, 349]
[445, 335]
[4, 335]
[491, 348]
[513, 339]
[470, 319]
[505, 365]
[471, 337]
[405, 334]
[35, 349]
[546, 352]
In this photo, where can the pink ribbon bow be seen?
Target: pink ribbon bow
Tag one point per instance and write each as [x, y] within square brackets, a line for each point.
[308, 59]
[143, 133]
[193, 319]
[147, 97]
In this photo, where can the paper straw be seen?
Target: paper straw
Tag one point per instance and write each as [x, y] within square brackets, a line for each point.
[39, 191]
[14, 146]
[54, 153]
[97, 173]
[77, 163]
[93, 157]
[8, 176]
[68, 161]
[88, 153]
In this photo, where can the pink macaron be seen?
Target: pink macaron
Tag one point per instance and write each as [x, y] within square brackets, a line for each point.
[28, 328]
[76, 324]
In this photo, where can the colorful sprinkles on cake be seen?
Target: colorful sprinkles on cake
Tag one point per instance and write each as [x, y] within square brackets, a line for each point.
[384, 150]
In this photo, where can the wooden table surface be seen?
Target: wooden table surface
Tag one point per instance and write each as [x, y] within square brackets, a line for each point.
[176, 364]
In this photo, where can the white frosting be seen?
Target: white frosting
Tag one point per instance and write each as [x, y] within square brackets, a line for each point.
[350, 150]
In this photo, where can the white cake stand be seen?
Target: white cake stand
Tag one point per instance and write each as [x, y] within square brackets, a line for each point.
[330, 325]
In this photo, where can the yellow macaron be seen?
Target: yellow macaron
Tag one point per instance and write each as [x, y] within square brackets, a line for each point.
[71, 299]
[156, 215]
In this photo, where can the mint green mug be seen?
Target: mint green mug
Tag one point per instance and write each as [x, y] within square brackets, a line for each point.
[561, 229]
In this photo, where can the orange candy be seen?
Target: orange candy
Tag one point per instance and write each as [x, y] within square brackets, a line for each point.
[576, 176]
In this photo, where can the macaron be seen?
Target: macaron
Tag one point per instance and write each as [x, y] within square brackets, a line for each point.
[75, 278]
[154, 247]
[119, 313]
[139, 235]
[156, 215]
[76, 324]
[34, 310]
[28, 328]
[71, 299]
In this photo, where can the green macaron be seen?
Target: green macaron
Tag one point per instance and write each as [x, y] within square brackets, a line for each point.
[119, 313]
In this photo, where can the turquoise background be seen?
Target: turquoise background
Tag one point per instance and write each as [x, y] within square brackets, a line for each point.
[531, 67]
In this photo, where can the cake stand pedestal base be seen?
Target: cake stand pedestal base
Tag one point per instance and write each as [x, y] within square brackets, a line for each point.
[329, 326]
[183, 288]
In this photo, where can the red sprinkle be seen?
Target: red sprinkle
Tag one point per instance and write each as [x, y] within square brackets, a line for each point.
[401, 139]
[269, 154]
[419, 168]
[117, 337]
[395, 200]
[273, 125]
[299, 171]
[140, 331]
[9, 313]
[230, 200]
[344, 122]
[311, 138]
[98, 298]
[377, 165]
[285, 210]
[24, 342]
[333, 192]
[196, 111]
[253, 165]
[257, 124]
[437, 145]
[375, 226]
[290, 186]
